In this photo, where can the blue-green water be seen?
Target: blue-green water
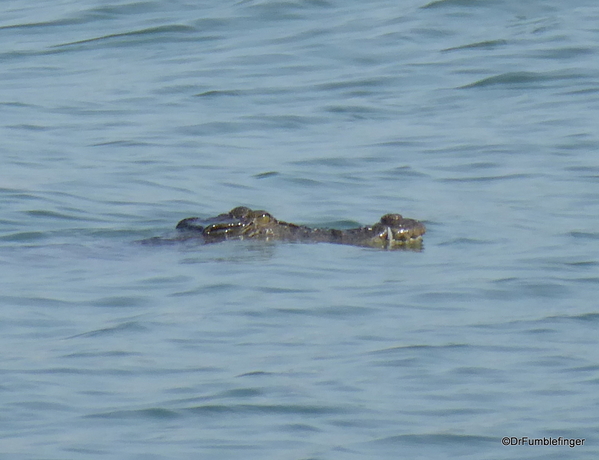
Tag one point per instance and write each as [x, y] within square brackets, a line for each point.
[119, 119]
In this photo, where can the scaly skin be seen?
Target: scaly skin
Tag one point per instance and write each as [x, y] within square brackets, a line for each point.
[391, 232]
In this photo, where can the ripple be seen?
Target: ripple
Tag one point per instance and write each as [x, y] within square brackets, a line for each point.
[25, 237]
[289, 409]
[484, 45]
[265, 175]
[584, 235]
[217, 93]
[53, 215]
[150, 413]
[458, 440]
[353, 84]
[158, 33]
[584, 317]
[126, 328]
[455, 3]
[515, 80]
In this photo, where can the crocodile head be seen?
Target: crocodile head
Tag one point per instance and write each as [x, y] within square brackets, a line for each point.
[242, 223]
[231, 219]
[393, 231]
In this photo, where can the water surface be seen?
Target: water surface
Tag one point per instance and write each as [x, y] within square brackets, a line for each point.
[119, 119]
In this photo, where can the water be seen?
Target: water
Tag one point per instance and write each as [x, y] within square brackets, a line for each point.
[119, 119]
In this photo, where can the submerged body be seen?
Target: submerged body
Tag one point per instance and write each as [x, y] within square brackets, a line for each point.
[392, 232]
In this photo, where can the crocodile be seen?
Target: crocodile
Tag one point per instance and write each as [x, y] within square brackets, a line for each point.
[391, 232]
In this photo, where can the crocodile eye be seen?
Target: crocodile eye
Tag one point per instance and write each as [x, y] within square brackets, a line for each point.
[262, 217]
[391, 219]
